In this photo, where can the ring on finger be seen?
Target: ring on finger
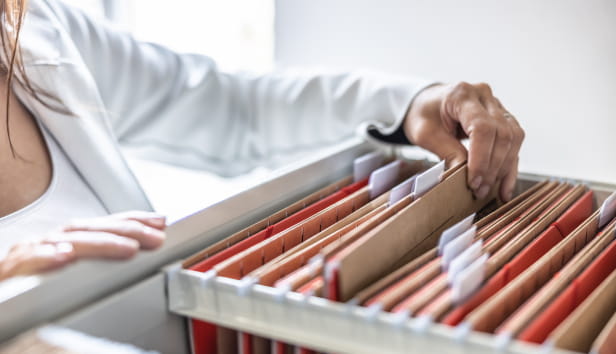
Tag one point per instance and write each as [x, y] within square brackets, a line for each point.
[508, 115]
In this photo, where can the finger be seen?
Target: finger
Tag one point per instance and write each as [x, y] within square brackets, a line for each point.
[97, 245]
[148, 218]
[516, 143]
[33, 258]
[148, 237]
[510, 165]
[438, 140]
[509, 181]
[503, 143]
[517, 133]
[481, 130]
[49, 257]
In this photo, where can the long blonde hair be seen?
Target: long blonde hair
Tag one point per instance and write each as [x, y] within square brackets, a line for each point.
[12, 14]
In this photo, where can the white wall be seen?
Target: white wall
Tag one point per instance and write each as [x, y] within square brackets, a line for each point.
[552, 62]
[235, 33]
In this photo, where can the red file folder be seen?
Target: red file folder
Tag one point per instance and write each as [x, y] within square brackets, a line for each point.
[406, 289]
[539, 329]
[246, 343]
[574, 216]
[310, 210]
[204, 334]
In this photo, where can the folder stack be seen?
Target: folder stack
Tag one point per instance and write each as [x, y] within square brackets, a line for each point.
[411, 239]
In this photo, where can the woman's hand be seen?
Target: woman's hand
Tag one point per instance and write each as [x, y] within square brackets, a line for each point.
[441, 115]
[117, 236]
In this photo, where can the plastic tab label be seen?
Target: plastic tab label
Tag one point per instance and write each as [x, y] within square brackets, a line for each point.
[469, 280]
[457, 245]
[428, 179]
[364, 165]
[384, 178]
[454, 231]
[401, 190]
[464, 259]
[608, 210]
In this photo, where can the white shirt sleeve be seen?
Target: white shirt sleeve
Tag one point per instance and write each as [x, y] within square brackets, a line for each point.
[181, 109]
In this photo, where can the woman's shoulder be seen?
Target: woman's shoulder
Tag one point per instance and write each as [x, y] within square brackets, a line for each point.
[55, 13]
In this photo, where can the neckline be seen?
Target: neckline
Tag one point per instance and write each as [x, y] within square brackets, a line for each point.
[52, 184]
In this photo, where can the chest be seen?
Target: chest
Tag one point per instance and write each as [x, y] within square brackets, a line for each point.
[25, 164]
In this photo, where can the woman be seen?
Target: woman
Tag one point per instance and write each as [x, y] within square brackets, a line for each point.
[77, 90]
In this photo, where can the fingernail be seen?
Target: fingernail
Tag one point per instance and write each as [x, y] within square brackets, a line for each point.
[64, 248]
[64, 251]
[159, 220]
[126, 249]
[46, 250]
[127, 242]
[508, 195]
[483, 191]
[476, 182]
[150, 231]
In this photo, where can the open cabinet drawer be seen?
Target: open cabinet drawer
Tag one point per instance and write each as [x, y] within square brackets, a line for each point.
[329, 326]
[148, 308]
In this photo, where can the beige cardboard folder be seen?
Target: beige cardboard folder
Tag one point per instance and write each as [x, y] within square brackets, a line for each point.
[265, 251]
[374, 221]
[341, 227]
[510, 216]
[488, 316]
[427, 273]
[377, 287]
[270, 274]
[372, 290]
[270, 220]
[503, 209]
[516, 323]
[515, 244]
[496, 242]
[406, 236]
[410, 168]
[580, 329]
[250, 259]
[502, 256]
[547, 212]
[606, 340]
[330, 245]
[300, 254]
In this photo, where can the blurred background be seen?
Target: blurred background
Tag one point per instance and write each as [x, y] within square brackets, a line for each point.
[551, 62]
[238, 34]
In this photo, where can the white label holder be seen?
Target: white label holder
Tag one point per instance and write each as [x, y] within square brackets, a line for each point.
[365, 164]
[454, 231]
[457, 245]
[469, 280]
[384, 178]
[401, 190]
[608, 210]
[428, 179]
[462, 261]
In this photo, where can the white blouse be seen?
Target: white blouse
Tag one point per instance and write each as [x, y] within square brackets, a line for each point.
[67, 197]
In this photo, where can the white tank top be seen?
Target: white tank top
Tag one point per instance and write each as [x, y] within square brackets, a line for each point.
[67, 197]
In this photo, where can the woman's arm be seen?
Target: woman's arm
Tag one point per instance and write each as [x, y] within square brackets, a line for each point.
[182, 109]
